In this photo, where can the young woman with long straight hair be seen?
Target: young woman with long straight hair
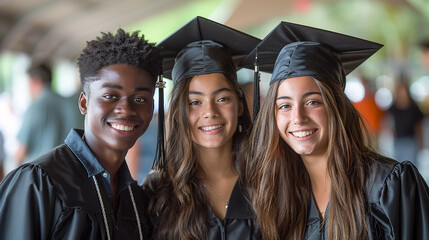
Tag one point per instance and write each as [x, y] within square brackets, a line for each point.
[312, 170]
[197, 192]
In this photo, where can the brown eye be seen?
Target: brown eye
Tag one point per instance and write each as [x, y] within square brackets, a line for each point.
[110, 97]
[313, 103]
[194, 103]
[140, 100]
[284, 106]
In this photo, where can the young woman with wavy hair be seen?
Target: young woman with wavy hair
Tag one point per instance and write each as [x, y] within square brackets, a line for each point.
[197, 193]
[312, 170]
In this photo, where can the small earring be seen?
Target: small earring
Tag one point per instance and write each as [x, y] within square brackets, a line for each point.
[240, 128]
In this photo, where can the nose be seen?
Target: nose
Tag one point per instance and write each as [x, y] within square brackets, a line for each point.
[209, 110]
[298, 115]
[125, 107]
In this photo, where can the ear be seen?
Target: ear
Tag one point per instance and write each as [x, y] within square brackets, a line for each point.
[82, 103]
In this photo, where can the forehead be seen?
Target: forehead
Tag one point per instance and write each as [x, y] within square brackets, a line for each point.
[124, 75]
[208, 83]
[297, 86]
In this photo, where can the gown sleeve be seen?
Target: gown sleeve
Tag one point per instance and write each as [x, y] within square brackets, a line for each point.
[402, 211]
[27, 204]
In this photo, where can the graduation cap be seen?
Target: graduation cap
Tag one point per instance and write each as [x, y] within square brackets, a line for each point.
[307, 51]
[204, 38]
[199, 47]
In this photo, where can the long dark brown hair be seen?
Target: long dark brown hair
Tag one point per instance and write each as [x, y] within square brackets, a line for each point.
[280, 183]
[180, 204]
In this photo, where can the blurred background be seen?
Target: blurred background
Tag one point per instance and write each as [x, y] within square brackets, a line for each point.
[391, 89]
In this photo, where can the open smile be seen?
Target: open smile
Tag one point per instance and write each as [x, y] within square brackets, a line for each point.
[303, 134]
[123, 127]
[212, 129]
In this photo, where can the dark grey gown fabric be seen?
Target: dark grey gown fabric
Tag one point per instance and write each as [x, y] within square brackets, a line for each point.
[55, 198]
[399, 204]
[240, 222]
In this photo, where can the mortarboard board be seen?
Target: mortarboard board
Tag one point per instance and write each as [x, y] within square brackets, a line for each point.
[285, 50]
[235, 43]
[200, 47]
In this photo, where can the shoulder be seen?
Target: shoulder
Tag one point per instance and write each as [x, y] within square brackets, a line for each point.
[386, 174]
[58, 160]
[27, 180]
[44, 165]
[399, 201]
[53, 165]
[66, 173]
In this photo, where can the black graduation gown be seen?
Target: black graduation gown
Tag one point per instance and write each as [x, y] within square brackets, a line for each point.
[240, 222]
[399, 204]
[55, 198]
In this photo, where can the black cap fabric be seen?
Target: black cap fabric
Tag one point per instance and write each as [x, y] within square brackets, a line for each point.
[203, 46]
[202, 57]
[306, 51]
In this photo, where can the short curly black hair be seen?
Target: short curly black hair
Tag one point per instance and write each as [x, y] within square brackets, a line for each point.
[122, 48]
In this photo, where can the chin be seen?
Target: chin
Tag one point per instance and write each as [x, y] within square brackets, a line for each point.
[303, 151]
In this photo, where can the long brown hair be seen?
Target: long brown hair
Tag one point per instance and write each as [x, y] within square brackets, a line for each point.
[280, 183]
[180, 205]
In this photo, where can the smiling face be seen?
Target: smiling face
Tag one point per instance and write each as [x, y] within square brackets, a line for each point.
[118, 107]
[301, 116]
[214, 109]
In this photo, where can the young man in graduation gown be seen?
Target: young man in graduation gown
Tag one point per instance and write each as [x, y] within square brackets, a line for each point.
[83, 189]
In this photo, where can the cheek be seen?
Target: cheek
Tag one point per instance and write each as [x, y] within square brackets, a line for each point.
[233, 111]
[146, 111]
[281, 120]
[322, 118]
[193, 115]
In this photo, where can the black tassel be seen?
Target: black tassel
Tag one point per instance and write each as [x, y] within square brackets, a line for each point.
[159, 162]
[256, 100]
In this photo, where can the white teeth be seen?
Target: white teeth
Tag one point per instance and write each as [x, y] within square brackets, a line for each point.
[302, 133]
[211, 127]
[122, 127]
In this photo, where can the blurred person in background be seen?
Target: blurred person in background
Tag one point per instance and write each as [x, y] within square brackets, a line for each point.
[43, 125]
[74, 118]
[406, 118]
[369, 109]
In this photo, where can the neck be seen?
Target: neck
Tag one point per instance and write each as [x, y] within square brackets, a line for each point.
[216, 163]
[37, 91]
[110, 160]
[317, 170]
[320, 181]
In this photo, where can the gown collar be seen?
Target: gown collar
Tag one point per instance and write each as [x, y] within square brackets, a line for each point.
[89, 161]
[238, 205]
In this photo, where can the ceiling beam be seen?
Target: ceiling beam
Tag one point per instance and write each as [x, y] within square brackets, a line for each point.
[63, 42]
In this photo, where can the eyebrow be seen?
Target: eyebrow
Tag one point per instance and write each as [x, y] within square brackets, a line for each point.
[214, 93]
[120, 88]
[305, 95]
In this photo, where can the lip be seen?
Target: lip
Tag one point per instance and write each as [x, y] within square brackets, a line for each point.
[303, 134]
[212, 128]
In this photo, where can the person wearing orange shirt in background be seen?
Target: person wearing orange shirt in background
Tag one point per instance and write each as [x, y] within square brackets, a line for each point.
[368, 108]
